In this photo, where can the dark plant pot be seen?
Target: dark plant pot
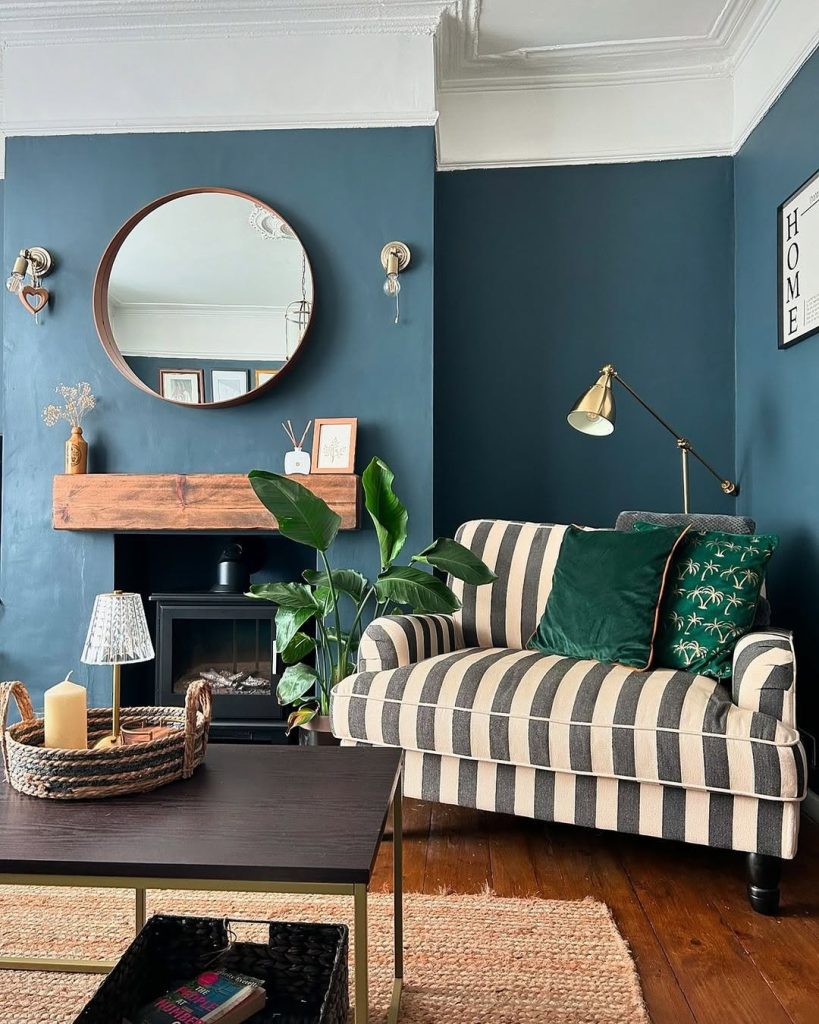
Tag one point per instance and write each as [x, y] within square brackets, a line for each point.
[317, 733]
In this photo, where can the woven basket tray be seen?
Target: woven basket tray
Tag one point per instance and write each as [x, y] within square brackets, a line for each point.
[90, 774]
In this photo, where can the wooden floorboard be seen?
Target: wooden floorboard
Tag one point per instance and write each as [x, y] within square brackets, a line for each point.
[704, 957]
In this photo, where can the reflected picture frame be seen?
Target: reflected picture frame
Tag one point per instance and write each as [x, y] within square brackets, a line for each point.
[185, 387]
[226, 385]
[262, 375]
[334, 442]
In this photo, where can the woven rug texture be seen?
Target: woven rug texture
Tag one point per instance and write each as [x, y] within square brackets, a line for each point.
[469, 959]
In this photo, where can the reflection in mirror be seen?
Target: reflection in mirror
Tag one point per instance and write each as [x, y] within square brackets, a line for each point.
[209, 295]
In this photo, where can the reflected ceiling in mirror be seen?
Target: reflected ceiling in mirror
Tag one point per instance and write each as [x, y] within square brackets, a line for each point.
[204, 297]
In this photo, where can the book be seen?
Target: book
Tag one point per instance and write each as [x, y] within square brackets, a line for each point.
[212, 997]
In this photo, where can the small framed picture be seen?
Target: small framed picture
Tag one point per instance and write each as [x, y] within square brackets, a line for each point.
[798, 258]
[263, 376]
[228, 384]
[334, 446]
[185, 386]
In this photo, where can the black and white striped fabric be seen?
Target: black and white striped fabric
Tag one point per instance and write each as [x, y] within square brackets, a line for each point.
[489, 724]
[522, 555]
[721, 820]
[540, 710]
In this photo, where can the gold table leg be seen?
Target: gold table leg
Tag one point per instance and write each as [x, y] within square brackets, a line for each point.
[398, 900]
[139, 910]
[361, 983]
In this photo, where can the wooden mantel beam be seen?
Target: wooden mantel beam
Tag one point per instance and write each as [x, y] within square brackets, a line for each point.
[129, 502]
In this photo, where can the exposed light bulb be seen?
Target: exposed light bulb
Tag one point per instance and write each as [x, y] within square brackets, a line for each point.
[392, 286]
[14, 283]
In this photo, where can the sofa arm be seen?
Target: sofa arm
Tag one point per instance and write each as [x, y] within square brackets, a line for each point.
[764, 674]
[395, 640]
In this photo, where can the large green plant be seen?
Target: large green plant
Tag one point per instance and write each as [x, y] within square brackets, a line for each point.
[303, 517]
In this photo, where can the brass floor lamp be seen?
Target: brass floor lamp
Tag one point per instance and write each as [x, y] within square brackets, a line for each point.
[594, 413]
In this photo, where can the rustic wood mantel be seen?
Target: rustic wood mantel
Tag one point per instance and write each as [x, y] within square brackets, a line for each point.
[129, 502]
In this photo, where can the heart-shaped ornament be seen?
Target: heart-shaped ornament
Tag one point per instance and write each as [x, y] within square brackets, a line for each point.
[34, 299]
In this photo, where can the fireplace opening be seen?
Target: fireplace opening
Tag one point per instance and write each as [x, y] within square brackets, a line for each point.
[203, 627]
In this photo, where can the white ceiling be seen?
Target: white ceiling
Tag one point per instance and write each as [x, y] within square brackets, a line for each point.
[509, 81]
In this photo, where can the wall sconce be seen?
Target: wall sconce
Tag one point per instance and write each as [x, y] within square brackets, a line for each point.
[34, 263]
[395, 257]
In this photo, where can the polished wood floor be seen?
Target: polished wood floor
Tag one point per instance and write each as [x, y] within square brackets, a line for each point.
[703, 955]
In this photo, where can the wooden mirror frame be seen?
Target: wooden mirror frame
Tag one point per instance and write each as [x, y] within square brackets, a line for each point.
[102, 320]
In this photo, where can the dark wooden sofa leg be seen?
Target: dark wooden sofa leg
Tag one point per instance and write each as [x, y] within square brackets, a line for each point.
[763, 882]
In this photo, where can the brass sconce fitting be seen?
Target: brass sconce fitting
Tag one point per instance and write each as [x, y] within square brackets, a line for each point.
[395, 257]
[35, 263]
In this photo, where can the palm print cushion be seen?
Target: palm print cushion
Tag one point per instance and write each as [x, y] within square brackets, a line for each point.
[710, 598]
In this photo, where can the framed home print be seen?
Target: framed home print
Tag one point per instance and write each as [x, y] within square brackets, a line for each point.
[227, 384]
[334, 445]
[798, 261]
[262, 376]
[185, 386]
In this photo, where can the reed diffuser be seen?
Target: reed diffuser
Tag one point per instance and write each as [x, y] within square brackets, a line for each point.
[297, 461]
[77, 401]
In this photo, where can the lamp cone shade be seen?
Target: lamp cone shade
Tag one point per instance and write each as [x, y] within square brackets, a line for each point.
[118, 631]
[594, 412]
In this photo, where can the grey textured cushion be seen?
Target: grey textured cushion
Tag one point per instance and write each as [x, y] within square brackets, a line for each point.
[702, 521]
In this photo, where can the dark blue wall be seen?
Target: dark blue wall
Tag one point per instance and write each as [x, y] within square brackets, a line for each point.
[542, 276]
[777, 408]
[346, 192]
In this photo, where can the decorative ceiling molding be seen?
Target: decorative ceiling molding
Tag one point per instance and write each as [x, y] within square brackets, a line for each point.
[691, 86]
[462, 66]
[40, 22]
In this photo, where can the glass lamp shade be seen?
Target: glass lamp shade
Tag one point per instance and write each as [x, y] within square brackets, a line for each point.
[594, 412]
[118, 631]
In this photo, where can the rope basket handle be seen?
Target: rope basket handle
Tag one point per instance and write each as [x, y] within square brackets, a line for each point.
[198, 698]
[24, 705]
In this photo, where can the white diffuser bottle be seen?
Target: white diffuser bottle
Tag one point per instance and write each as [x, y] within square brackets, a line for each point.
[297, 461]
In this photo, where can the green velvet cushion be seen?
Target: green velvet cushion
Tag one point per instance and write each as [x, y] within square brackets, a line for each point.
[605, 595]
[710, 599]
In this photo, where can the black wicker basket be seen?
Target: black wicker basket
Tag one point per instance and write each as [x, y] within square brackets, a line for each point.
[303, 966]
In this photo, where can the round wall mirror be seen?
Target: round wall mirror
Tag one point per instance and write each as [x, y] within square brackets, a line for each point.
[204, 297]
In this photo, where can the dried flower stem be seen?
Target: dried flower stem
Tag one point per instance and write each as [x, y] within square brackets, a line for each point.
[77, 401]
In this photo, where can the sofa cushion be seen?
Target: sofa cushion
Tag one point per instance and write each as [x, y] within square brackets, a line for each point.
[711, 598]
[528, 708]
[605, 599]
[523, 556]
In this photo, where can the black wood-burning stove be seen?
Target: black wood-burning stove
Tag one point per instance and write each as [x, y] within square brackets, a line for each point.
[230, 640]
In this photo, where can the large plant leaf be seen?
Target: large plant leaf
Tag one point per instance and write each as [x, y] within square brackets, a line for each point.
[285, 595]
[301, 515]
[387, 513]
[457, 560]
[346, 581]
[288, 622]
[422, 591]
[295, 682]
[299, 647]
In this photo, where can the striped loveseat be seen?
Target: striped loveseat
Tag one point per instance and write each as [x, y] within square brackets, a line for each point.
[487, 723]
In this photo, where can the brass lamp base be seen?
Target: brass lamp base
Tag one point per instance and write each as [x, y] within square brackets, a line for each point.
[107, 742]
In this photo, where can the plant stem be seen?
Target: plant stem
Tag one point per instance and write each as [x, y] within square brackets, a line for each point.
[361, 605]
[336, 615]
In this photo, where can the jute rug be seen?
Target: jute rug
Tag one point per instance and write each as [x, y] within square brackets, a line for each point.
[469, 959]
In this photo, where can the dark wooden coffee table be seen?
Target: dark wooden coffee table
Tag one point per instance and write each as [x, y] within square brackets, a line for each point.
[252, 819]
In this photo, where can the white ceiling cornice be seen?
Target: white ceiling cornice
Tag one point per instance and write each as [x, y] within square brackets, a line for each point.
[464, 66]
[508, 82]
[49, 22]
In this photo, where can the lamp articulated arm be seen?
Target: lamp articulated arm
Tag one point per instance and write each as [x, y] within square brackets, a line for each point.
[609, 373]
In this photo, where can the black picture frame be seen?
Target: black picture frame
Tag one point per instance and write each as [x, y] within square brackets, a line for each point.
[780, 310]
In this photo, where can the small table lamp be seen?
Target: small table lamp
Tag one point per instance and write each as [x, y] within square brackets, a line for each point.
[117, 635]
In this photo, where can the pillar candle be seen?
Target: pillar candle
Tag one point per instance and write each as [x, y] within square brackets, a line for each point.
[66, 716]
